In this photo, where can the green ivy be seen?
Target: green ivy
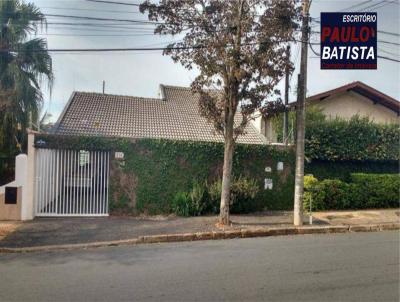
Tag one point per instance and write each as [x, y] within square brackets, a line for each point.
[165, 168]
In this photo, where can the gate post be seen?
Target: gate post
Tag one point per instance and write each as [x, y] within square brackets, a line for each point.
[27, 211]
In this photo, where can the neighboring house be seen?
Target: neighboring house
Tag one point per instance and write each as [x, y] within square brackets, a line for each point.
[345, 102]
[360, 99]
[175, 115]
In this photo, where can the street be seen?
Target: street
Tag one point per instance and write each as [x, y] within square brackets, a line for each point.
[332, 267]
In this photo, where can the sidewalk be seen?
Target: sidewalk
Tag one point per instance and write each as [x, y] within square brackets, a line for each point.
[67, 231]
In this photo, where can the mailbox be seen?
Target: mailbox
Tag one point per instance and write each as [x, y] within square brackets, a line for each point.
[11, 195]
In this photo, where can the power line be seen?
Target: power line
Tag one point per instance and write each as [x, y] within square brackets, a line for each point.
[312, 49]
[387, 58]
[122, 26]
[388, 52]
[130, 49]
[92, 10]
[387, 42]
[377, 5]
[388, 33]
[373, 5]
[355, 6]
[112, 2]
[111, 30]
[105, 19]
[97, 35]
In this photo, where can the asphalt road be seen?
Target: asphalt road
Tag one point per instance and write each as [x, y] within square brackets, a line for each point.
[336, 267]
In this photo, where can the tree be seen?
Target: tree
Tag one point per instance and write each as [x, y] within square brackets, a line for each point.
[24, 64]
[238, 48]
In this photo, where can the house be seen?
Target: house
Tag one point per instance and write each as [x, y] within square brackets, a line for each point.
[174, 115]
[66, 179]
[345, 102]
[360, 99]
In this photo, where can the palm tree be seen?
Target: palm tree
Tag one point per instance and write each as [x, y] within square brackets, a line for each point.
[24, 65]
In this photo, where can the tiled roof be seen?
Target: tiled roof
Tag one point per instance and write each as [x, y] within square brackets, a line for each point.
[174, 116]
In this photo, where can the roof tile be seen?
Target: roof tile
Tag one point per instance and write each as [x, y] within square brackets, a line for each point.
[174, 117]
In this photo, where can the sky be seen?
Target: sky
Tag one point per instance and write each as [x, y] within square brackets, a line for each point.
[140, 73]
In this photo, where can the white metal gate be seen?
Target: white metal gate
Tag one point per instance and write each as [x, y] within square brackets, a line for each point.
[71, 182]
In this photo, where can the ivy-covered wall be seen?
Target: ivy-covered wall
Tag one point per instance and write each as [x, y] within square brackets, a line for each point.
[158, 169]
[153, 171]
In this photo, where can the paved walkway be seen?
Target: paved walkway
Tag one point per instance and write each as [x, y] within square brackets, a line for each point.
[358, 217]
[56, 231]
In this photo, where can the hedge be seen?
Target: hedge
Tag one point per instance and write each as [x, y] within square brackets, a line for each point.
[324, 169]
[376, 190]
[357, 139]
[364, 191]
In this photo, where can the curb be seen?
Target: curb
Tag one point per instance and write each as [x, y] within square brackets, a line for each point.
[213, 235]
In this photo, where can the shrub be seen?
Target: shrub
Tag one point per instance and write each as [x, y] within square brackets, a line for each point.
[121, 204]
[193, 203]
[198, 198]
[364, 191]
[377, 190]
[309, 184]
[181, 204]
[332, 194]
[309, 181]
[243, 195]
[214, 192]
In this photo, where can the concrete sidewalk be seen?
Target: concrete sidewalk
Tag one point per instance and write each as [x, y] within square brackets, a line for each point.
[67, 231]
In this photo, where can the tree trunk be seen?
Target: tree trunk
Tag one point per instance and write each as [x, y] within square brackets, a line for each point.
[227, 172]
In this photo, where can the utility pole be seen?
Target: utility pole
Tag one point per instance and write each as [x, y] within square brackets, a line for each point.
[104, 86]
[300, 120]
[286, 113]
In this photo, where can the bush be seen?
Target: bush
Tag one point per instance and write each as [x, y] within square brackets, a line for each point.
[243, 195]
[193, 203]
[377, 190]
[198, 198]
[205, 199]
[331, 194]
[364, 191]
[214, 192]
[309, 184]
[181, 204]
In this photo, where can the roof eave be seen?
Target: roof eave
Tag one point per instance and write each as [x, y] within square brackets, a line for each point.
[60, 118]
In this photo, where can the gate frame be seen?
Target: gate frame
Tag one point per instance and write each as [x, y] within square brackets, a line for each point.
[31, 187]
